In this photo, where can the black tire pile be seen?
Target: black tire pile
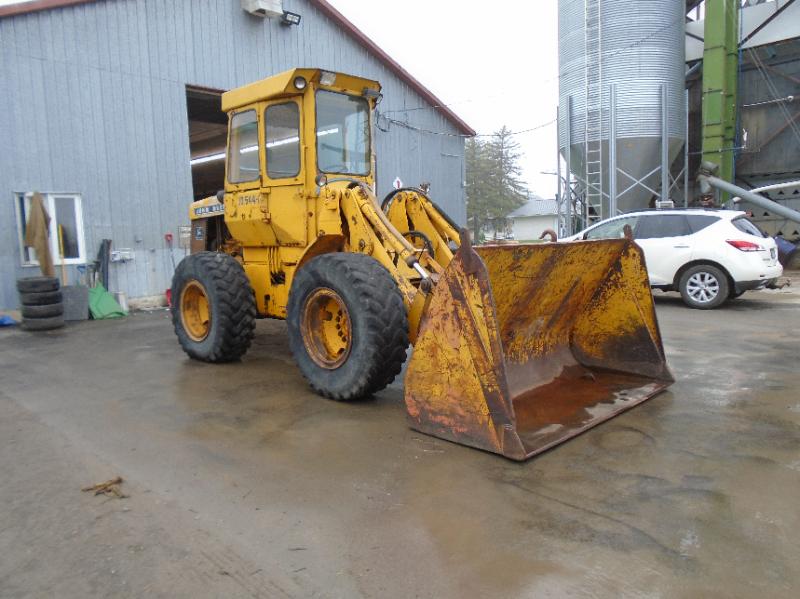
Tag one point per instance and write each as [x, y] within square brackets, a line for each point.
[41, 303]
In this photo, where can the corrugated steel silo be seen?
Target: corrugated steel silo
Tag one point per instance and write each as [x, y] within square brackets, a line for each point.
[634, 50]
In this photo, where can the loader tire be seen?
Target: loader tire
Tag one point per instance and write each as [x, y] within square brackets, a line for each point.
[213, 307]
[37, 284]
[40, 298]
[373, 318]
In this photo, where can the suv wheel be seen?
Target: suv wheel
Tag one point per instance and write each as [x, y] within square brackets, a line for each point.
[704, 287]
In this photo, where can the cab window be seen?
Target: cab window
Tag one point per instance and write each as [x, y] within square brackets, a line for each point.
[343, 135]
[283, 140]
[243, 154]
[613, 229]
[655, 226]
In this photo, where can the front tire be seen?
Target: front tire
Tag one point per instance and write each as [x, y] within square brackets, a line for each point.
[704, 287]
[213, 307]
[348, 327]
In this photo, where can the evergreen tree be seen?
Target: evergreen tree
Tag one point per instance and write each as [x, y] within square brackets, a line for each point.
[494, 188]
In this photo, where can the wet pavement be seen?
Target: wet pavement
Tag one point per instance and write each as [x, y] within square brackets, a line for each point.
[244, 483]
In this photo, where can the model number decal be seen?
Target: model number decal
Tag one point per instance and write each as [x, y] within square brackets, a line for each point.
[245, 200]
[200, 210]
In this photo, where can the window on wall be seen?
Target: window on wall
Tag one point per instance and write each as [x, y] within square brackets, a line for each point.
[66, 218]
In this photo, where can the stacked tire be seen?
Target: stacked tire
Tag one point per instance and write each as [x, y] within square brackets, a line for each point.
[41, 303]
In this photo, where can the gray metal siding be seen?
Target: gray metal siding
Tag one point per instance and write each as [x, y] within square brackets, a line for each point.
[92, 100]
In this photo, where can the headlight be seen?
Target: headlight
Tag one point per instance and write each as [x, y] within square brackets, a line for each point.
[300, 82]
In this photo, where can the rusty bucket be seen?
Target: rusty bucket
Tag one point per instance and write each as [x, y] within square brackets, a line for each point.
[523, 347]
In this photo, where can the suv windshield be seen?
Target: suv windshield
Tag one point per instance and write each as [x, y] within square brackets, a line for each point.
[342, 134]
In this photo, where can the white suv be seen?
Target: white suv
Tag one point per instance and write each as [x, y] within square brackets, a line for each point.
[710, 256]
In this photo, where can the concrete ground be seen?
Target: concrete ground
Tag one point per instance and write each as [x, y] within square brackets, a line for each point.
[243, 483]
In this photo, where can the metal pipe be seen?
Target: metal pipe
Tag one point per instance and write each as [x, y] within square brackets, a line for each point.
[612, 151]
[664, 144]
[787, 99]
[760, 201]
[773, 187]
[686, 151]
[695, 67]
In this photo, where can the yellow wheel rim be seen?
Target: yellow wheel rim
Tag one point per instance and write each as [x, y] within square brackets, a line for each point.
[326, 328]
[195, 311]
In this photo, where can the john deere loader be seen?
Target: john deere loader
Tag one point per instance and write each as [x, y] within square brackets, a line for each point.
[516, 348]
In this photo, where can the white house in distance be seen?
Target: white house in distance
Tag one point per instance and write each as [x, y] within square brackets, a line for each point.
[533, 217]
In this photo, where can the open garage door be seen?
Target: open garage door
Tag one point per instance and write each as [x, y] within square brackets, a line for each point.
[208, 127]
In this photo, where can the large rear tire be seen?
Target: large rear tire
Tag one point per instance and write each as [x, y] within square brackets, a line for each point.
[348, 327]
[213, 307]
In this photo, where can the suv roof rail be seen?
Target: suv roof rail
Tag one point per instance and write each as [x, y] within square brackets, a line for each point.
[704, 208]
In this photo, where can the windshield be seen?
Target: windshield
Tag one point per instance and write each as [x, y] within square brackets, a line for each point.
[342, 134]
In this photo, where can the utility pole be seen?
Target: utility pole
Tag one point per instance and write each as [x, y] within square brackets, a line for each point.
[720, 71]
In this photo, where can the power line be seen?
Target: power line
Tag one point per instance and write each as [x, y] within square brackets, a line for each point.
[448, 134]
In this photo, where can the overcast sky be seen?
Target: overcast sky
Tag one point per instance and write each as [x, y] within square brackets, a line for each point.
[494, 63]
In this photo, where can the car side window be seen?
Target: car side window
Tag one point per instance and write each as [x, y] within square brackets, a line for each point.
[654, 226]
[746, 226]
[613, 229]
[698, 222]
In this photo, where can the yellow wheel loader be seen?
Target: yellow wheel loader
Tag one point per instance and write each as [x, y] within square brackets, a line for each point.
[515, 348]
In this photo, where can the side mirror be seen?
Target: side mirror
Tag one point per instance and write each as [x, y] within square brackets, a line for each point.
[221, 196]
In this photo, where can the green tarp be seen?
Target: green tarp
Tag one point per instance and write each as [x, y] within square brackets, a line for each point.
[103, 305]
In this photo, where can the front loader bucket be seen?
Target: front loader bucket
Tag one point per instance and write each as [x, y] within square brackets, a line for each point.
[525, 346]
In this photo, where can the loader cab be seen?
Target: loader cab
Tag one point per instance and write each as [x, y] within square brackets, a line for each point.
[286, 135]
[293, 127]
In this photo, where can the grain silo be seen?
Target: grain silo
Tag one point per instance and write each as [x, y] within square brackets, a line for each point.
[621, 76]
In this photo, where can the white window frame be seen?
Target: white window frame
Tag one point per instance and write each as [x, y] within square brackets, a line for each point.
[50, 205]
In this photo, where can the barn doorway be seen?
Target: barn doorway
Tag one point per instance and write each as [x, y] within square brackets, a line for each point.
[208, 127]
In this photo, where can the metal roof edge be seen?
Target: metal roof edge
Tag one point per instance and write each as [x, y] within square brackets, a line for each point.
[22, 8]
[354, 32]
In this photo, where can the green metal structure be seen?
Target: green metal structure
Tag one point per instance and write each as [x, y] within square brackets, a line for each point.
[720, 70]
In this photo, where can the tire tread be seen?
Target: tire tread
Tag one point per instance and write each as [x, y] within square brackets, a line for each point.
[236, 307]
[383, 311]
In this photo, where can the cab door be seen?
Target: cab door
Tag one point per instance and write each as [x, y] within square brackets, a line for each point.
[245, 204]
[282, 179]
[667, 244]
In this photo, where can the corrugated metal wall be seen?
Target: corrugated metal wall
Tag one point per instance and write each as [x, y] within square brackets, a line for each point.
[93, 100]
